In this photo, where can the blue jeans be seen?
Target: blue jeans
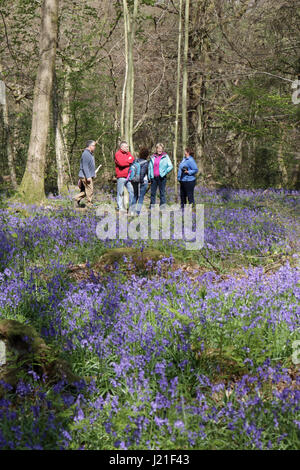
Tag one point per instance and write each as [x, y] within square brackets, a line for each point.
[120, 190]
[158, 182]
[139, 190]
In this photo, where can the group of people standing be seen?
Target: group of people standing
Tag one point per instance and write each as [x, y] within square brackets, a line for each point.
[153, 172]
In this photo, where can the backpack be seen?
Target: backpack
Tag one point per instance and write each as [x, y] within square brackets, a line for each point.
[134, 174]
[144, 170]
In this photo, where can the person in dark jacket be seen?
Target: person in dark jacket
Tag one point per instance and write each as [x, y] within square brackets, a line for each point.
[140, 189]
[86, 174]
[186, 176]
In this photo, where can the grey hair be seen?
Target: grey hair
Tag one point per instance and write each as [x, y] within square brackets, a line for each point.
[123, 142]
[90, 142]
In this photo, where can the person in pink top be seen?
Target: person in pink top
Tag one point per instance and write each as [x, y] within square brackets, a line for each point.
[159, 166]
[156, 165]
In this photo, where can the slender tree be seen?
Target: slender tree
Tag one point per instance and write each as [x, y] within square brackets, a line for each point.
[127, 113]
[177, 97]
[61, 118]
[8, 135]
[123, 126]
[185, 74]
[32, 185]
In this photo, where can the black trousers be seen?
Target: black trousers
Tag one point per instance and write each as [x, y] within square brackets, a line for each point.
[187, 192]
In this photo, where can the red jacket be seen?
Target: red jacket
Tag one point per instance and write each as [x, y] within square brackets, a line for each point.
[123, 160]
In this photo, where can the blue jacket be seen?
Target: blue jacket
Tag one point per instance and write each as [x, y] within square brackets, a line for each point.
[87, 165]
[165, 166]
[191, 165]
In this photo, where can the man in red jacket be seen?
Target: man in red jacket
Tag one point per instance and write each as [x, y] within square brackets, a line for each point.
[123, 160]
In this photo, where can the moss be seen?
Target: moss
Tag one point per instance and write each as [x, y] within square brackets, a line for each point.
[64, 191]
[30, 191]
[139, 258]
[20, 212]
[26, 349]
[20, 335]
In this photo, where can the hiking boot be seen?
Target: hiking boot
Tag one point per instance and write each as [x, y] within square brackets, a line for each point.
[76, 204]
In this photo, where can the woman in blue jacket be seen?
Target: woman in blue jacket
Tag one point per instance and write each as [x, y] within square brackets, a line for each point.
[186, 176]
[159, 166]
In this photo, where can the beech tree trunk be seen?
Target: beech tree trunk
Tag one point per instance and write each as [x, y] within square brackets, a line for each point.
[32, 188]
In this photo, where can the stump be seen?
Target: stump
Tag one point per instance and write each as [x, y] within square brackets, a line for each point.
[21, 349]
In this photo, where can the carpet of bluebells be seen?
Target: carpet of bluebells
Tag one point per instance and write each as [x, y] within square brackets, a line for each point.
[167, 360]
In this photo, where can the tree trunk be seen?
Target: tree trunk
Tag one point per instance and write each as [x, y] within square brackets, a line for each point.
[198, 45]
[185, 74]
[61, 122]
[280, 160]
[9, 142]
[123, 127]
[197, 119]
[32, 187]
[127, 115]
[177, 99]
[133, 27]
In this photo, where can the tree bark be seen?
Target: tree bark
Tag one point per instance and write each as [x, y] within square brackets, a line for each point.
[177, 98]
[9, 142]
[127, 113]
[123, 119]
[280, 160]
[185, 74]
[32, 186]
[61, 122]
[133, 27]
[197, 93]
[201, 17]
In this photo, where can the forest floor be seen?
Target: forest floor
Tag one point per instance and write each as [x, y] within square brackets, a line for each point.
[176, 349]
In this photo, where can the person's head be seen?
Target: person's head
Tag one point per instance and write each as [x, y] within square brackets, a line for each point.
[124, 146]
[91, 145]
[188, 151]
[160, 148]
[144, 153]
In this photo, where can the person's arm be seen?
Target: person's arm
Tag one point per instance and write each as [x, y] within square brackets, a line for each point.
[123, 160]
[87, 166]
[179, 172]
[169, 164]
[194, 169]
[150, 166]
